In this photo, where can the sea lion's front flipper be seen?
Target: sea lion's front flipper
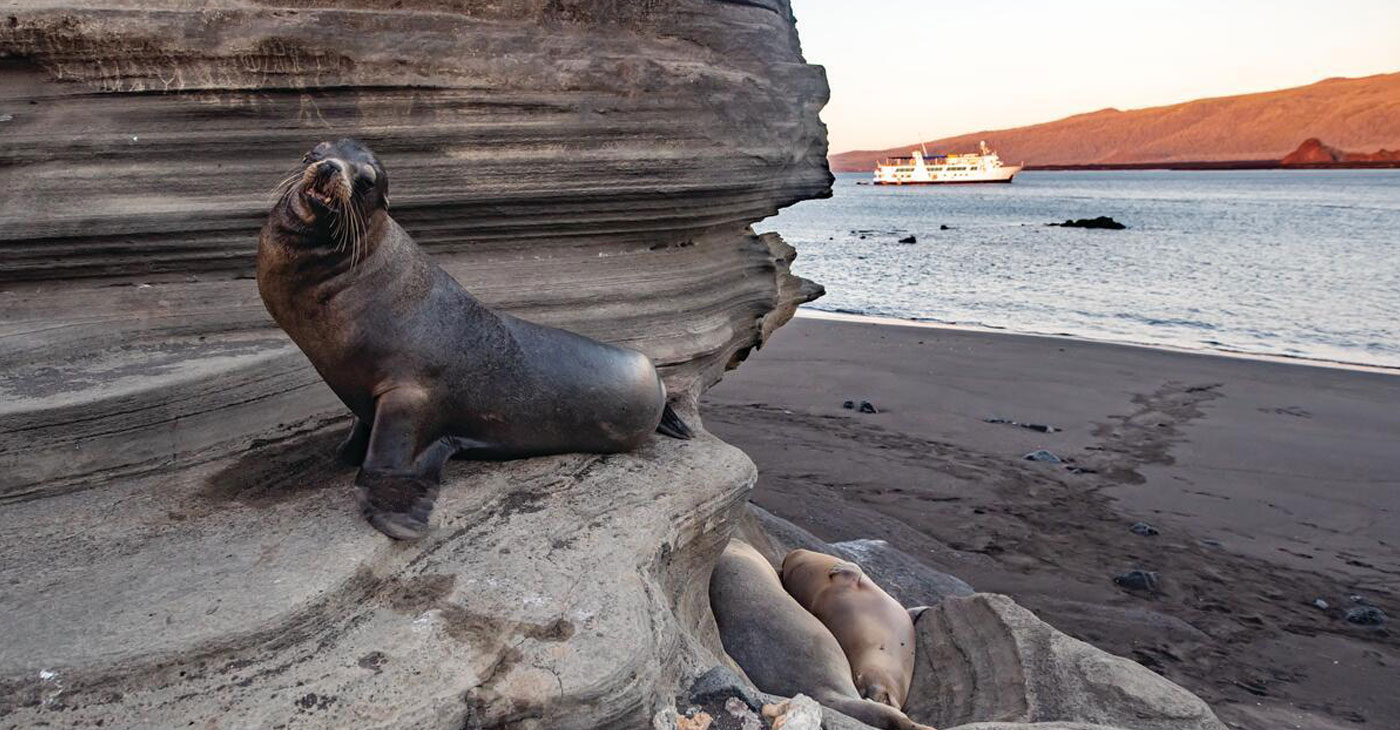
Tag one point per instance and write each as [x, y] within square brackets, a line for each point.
[672, 425]
[398, 481]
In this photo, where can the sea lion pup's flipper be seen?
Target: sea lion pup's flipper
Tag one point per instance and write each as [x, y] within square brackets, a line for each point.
[872, 713]
[877, 692]
[672, 425]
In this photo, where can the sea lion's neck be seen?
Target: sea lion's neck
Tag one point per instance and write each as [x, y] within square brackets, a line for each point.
[318, 256]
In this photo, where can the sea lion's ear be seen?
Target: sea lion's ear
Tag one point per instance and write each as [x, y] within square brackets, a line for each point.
[845, 571]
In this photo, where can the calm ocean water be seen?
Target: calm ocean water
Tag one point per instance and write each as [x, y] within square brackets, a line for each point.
[1295, 263]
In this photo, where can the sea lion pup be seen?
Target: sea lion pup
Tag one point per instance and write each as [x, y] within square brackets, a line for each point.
[782, 647]
[875, 632]
[426, 369]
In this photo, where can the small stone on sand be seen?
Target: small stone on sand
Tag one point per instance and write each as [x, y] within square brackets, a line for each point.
[1144, 529]
[1042, 455]
[1138, 580]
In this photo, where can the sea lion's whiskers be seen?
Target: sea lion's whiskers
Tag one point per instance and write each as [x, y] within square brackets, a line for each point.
[360, 227]
[285, 186]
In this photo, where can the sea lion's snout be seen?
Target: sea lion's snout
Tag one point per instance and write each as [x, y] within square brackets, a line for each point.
[326, 183]
[344, 175]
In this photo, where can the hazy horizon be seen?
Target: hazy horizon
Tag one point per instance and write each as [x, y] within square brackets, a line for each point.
[978, 67]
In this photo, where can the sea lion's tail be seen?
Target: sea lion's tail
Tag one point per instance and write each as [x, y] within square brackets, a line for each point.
[672, 425]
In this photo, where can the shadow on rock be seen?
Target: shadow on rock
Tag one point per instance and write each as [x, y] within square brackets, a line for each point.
[281, 471]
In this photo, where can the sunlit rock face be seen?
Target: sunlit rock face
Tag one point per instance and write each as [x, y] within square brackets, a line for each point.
[181, 549]
[593, 165]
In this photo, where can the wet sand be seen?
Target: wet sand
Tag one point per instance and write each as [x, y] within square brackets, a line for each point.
[1271, 484]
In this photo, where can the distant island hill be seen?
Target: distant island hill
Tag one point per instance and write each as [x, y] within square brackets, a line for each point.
[1336, 123]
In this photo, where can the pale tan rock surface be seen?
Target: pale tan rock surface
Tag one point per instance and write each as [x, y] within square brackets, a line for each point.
[982, 658]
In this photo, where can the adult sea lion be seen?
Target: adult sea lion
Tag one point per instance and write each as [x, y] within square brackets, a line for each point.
[782, 647]
[875, 632]
[426, 369]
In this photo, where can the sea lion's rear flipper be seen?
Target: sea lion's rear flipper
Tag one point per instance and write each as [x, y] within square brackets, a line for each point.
[672, 425]
[877, 692]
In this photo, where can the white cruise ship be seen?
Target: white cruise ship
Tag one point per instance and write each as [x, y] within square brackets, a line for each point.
[979, 167]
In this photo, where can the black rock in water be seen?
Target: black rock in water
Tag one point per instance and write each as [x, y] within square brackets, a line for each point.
[1042, 455]
[868, 407]
[944, 227]
[1138, 580]
[909, 239]
[849, 405]
[1102, 221]
[1142, 528]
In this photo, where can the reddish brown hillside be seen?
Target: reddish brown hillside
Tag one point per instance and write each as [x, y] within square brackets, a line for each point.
[1353, 114]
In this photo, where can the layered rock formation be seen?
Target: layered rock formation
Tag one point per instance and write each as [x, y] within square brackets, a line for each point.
[592, 165]
[180, 548]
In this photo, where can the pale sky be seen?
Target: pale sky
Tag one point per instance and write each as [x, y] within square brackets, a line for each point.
[908, 70]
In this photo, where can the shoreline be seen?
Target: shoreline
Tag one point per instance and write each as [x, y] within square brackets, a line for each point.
[807, 311]
[1269, 487]
[1223, 166]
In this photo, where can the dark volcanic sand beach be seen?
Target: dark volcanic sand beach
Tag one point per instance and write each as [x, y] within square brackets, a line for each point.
[1272, 484]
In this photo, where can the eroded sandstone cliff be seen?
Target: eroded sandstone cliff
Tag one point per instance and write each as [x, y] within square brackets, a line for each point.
[180, 548]
[590, 165]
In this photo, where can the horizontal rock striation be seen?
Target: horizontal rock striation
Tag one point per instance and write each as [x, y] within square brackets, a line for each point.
[591, 164]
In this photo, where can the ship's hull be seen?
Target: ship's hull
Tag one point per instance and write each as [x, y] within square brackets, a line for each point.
[999, 175]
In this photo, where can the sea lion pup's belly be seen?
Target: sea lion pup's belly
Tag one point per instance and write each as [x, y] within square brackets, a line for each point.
[428, 371]
[873, 629]
[782, 647]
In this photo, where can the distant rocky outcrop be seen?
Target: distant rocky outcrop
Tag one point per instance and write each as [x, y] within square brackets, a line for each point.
[1103, 222]
[1314, 153]
[1354, 113]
